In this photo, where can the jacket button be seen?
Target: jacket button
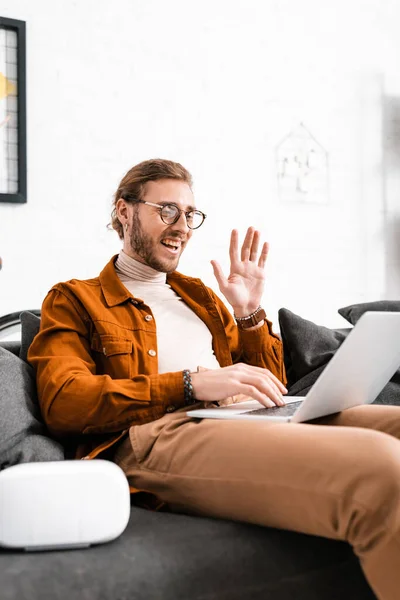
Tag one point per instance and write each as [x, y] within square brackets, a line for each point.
[148, 318]
[152, 352]
[170, 408]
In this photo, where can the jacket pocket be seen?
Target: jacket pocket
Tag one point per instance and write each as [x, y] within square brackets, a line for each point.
[113, 356]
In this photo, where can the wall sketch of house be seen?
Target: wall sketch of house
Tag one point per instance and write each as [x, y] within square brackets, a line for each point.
[302, 167]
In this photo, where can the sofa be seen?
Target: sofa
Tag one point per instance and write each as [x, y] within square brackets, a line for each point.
[168, 556]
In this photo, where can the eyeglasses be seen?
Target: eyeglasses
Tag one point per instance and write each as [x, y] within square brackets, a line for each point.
[170, 213]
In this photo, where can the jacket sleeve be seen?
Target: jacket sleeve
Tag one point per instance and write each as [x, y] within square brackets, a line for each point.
[72, 397]
[260, 347]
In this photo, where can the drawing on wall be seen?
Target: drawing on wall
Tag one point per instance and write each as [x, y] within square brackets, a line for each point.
[12, 111]
[302, 165]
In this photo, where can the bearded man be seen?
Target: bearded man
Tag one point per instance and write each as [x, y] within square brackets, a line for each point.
[121, 360]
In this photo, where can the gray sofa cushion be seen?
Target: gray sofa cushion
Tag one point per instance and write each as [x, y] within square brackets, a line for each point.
[307, 350]
[307, 346]
[30, 325]
[162, 556]
[354, 311]
[23, 435]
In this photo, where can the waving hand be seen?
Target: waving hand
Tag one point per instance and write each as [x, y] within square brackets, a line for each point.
[244, 286]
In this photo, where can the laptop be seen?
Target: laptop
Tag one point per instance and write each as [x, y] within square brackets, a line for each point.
[358, 371]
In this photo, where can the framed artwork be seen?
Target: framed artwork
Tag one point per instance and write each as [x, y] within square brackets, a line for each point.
[12, 111]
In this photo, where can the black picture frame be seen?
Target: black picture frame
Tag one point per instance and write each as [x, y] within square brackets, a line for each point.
[20, 197]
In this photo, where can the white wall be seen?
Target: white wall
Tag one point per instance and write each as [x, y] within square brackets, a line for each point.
[215, 85]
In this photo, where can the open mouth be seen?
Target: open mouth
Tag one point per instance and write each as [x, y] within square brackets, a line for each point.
[173, 246]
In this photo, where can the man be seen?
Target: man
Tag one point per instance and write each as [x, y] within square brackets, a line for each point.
[121, 358]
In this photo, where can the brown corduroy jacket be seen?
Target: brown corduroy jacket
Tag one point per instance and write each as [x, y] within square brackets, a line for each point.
[96, 361]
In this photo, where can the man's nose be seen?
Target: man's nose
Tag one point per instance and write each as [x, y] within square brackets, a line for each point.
[182, 223]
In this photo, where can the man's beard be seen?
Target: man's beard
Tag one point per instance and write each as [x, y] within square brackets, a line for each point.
[146, 247]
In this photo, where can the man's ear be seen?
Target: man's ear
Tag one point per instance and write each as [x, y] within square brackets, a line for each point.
[121, 207]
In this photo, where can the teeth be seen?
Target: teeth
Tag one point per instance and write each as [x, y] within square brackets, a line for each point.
[174, 243]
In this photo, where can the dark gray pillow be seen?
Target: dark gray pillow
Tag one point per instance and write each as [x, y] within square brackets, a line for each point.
[23, 435]
[353, 312]
[306, 346]
[30, 325]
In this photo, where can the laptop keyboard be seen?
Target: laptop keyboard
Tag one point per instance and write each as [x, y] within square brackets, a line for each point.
[277, 411]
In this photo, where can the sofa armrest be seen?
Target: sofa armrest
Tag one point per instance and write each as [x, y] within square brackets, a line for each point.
[13, 347]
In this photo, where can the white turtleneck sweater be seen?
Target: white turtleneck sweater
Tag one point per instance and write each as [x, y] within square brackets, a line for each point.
[183, 340]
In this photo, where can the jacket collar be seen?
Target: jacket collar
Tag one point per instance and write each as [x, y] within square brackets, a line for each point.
[116, 293]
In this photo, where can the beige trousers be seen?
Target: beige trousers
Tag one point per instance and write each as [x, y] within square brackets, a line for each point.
[338, 477]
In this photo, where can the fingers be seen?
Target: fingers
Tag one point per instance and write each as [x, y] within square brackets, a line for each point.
[265, 394]
[266, 387]
[253, 392]
[263, 255]
[254, 246]
[264, 381]
[219, 276]
[246, 247]
[266, 373]
[279, 384]
[250, 247]
[234, 246]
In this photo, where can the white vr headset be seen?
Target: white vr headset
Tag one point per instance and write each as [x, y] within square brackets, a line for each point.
[63, 504]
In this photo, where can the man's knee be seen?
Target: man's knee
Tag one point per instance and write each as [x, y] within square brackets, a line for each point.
[372, 500]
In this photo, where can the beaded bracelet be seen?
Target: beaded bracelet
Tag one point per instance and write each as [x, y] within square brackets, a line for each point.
[248, 316]
[188, 388]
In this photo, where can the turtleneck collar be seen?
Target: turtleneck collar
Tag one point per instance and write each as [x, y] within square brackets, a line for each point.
[136, 271]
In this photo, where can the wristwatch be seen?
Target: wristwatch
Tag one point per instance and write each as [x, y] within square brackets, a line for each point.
[256, 317]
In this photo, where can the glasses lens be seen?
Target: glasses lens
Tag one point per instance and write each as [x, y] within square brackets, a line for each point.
[170, 214]
[194, 219]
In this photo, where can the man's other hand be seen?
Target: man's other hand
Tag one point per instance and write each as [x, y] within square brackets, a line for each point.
[217, 384]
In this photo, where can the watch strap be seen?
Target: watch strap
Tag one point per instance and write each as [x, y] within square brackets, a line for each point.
[252, 320]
